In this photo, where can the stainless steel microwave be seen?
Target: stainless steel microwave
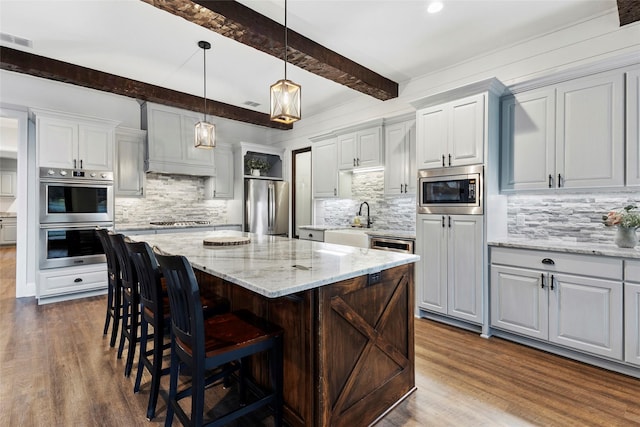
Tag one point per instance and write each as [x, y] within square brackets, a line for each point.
[451, 191]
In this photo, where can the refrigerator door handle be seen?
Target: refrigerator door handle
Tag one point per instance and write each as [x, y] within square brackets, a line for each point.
[270, 207]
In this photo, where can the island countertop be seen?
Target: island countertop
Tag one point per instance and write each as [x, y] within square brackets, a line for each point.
[276, 266]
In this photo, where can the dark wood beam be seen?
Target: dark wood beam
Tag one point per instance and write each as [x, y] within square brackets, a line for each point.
[629, 11]
[52, 69]
[243, 24]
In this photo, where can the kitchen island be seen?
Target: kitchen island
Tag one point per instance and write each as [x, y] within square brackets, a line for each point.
[347, 314]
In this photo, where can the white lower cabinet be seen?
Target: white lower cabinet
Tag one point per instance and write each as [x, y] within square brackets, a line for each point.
[450, 266]
[8, 231]
[64, 281]
[572, 300]
[632, 312]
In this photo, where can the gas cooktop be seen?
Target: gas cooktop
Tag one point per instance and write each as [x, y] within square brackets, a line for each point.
[179, 223]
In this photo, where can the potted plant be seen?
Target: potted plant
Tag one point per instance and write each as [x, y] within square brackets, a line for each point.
[257, 166]
[627, 220]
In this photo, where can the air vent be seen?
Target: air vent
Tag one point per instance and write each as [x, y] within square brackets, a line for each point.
[251, 103]
[10, 38]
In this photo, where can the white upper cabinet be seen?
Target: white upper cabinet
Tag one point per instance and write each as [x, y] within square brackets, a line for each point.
[324, 168]
[221, 185]
[528, 142]
[400, 173]
[8, 183]
[129, 171]
[361, 149]
[570, 135]
[590, 131]
[451, 134]
[633, 127]
[74, 142]
[170, 142]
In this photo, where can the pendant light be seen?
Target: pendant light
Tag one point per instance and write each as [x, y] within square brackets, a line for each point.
[205, 135]
[285, 94]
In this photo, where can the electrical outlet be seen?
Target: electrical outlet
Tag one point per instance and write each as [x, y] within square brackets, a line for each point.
[520, 220]
[125, 213]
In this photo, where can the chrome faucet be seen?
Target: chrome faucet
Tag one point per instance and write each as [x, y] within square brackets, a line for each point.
[368, 217]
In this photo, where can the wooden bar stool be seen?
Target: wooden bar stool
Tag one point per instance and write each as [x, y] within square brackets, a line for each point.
[130, 301]
[114, 287]
[203, 345]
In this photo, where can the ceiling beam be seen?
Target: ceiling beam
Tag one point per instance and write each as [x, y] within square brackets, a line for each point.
[52, 69]
[629, 11]
[243, 24]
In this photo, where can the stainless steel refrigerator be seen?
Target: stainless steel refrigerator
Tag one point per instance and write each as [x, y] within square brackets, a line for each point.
[266, 206]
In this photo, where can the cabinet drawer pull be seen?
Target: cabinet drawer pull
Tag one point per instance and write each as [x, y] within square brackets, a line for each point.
[78, 280]
[548, 261]
[310, 234]
[550, 180]
[542, 280]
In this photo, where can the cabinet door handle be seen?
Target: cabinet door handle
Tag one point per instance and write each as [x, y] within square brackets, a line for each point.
[551, 284]
[559, 180]
[80, 163]
[74, 163]
[443, 160]
[442, 221]
[354, 161]
[449, 159]
[335, 192]
[542, 280]
[78, 280]
[550, 180]
[449, 221]
[405, 188]
[141, 190]
[401, 188]
[548, 261]
[358, 160]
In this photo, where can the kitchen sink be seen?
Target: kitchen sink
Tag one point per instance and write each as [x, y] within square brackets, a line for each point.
[350, 236]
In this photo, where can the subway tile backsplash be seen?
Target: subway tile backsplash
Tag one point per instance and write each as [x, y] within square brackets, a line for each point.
[570, 217]
[387, 213]
[169, 197]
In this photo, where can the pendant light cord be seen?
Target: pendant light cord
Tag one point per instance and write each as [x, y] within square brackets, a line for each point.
[285, 39]
[204, 54]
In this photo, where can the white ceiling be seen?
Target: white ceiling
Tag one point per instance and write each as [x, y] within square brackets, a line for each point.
[395, 38]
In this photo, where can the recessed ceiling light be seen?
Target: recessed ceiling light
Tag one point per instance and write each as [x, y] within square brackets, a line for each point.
[434, 7]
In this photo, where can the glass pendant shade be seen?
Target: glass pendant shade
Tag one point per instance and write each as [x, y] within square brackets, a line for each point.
[285, 101]
[205, 135]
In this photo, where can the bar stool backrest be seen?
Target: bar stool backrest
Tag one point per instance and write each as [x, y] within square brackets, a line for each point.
[149, 275]
[127, 271]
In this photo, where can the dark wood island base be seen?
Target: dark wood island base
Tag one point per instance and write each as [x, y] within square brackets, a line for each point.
[348, 346]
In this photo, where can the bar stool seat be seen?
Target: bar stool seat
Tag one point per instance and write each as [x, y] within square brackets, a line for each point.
[212, 345]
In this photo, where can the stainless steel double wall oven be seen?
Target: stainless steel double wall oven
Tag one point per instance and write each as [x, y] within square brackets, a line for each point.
[73, 203]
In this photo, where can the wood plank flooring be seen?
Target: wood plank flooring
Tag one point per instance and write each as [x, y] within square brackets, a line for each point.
[56, 369]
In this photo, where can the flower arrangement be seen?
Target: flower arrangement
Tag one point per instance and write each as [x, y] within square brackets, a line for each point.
[256, 163]
[626, 217]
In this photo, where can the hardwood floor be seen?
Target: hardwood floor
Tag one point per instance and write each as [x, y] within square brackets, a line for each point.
[56, 369]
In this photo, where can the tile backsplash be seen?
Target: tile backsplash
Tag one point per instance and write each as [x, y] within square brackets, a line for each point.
[387, 213]
[572, 217]
[169, 197]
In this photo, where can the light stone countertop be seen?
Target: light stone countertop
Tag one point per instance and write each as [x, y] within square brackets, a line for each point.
[276, 266]
[8, 214]
[123, 228]
[584, 248]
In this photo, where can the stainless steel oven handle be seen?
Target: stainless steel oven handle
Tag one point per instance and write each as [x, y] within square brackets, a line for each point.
[76, 225]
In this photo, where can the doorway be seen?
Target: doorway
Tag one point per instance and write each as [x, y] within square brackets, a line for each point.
[301, 198]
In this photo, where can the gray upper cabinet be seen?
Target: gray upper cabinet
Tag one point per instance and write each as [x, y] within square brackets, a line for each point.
[170, 142]
[221, 185]
[633, 127]
[568, 135]
[129, 170]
